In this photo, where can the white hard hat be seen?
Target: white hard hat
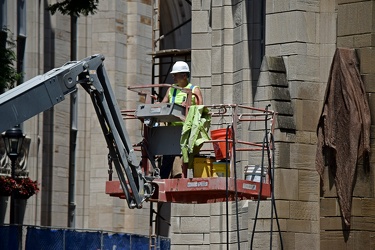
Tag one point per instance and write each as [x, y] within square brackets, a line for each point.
[180, 66]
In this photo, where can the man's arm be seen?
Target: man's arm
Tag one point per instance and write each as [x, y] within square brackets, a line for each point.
[198, 93]
[166, 97]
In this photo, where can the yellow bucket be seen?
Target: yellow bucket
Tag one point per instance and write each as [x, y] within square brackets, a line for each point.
[219, 169]
[203, 167]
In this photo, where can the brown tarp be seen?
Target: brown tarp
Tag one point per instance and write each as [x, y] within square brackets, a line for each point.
[344, 127]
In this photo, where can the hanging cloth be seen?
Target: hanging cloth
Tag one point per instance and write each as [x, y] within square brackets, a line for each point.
[344, 127]
[194, 131]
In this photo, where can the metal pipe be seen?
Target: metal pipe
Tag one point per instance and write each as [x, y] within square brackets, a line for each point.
[73, 130]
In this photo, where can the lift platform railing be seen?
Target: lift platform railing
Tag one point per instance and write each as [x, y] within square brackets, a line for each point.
[212, 189]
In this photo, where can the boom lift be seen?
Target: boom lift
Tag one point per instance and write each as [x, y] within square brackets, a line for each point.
[136, 184]
[44, 91]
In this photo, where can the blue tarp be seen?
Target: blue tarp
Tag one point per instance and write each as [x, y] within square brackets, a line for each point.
[9, 237]
[63, 239]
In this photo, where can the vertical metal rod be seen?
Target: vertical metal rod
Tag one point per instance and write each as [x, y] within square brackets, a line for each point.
[73, 130]
[12, 213]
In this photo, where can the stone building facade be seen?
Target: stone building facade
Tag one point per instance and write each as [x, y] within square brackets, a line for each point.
[233, 46]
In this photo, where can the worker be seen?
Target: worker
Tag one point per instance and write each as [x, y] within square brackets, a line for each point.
[180, 73]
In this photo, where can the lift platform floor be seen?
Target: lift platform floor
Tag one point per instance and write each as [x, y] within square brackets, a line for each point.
[199, 190]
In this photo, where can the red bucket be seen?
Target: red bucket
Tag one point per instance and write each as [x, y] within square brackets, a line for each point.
[220, 148]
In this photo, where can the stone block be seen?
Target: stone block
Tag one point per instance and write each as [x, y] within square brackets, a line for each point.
[228, 53]
[273, 32]
[363, 182]
[333, 240]
[325, 67]
[307, 241]
[182, 209]
[201, 41]
[331, 223]
[312, 49]
[218, 3]
[283, 209]
[282, 155]
[278, 79]
[306, 26]
[328, 186]
[262, 241]
[363, 40]
[304, 137]
[175, 224]
[328, 6]
[301, 27]
[238, 54]
[187, 239]
[357, 206]
[359, 23]
[301, 226]
[200, 247]
[306, 114]
[228, 80]
[180, 247]
[294, 48]
[305, 68]
[196, 5]
[304, 210]
[217, 20]
[302, 156]
[200, 21]
[217, 80]
[309, 187]
[217, 208]
[345, 41]
[362, 240]
[228, 38]
[202, 62]
[371, 101]
[273, 49]
[285, 122]
[195, 224]
[203, 82]
[217, 38]
[367, 60]
[281, 95]
[339, 2]
[273, 64]
[202, 210]
[217, 55]
[329, 207]
[217, 224]
[264, 225]
[282, 107]
[264, 211]
[286, 184]
[363, 223]
[229, 17]
[369, 82]
[327, 27]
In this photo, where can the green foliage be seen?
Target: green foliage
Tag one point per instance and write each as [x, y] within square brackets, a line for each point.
[74, 7]
[8, 74]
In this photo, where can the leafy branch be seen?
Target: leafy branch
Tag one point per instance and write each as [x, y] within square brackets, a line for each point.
[74, 7]
[8, 74]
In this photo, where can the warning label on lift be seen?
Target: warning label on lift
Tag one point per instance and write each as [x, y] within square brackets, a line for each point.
[197, 184]
[154, 110]
[249, 186]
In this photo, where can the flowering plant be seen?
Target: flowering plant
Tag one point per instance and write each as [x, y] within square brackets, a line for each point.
[7, 184]
[23, 188]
